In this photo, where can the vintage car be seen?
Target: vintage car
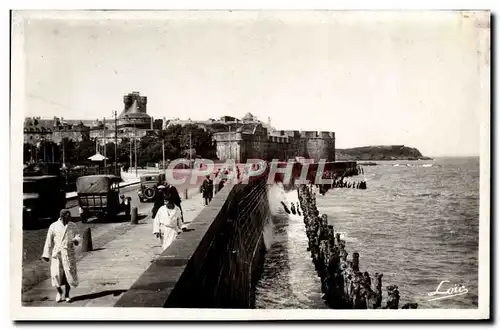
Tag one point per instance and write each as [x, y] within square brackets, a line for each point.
[149, 183]
[98, 195]
[43, 197]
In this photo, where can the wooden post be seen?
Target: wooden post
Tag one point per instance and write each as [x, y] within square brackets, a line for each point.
[355, 261]
[87, 241]
[378, 289]
[134, 216]
[186, 194]
[392, 297]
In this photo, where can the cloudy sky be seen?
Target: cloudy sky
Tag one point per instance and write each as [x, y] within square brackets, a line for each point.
[372, 78]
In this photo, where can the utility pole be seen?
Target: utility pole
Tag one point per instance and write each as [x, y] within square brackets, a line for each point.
[104, 136]
[135, 147]
[163, 149]
[44, 151]
[116, 144]
[130, 151]
[64, 148]
[190, 153]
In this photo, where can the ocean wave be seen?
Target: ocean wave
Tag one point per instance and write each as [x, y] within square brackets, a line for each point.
[408, 225]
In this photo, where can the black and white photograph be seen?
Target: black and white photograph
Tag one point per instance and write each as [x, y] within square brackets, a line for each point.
[250, 164]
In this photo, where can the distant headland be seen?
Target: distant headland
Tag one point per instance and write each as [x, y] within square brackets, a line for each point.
[391, 152]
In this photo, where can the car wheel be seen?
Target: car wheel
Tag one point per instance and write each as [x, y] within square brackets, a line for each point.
[149, 193]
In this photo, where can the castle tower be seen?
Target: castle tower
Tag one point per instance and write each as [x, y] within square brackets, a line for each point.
[318, 145]
[134, 112]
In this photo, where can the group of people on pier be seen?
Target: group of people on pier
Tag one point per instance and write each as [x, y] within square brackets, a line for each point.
[339, 182]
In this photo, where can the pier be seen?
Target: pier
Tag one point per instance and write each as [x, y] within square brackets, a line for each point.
[343, 285]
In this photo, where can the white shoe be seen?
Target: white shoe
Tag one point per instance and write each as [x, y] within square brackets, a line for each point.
[68, 299]
[59, 297]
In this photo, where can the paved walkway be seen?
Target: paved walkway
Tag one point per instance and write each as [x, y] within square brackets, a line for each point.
[107, 273]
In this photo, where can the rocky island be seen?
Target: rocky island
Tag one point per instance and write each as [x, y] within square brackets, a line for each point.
[393, 152]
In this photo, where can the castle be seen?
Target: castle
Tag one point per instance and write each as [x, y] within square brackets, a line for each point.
[235, 139]
[255, 142]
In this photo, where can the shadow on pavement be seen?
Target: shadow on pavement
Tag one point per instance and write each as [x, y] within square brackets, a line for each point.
[117, 219]
[97, 295]
[97, 249]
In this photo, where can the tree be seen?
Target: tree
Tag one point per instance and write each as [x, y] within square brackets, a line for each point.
[68, 148]
[110, 152]
[201, 141]
[86, 148]
[48, 151]
[124, 151]
[158, 124]
[149, 150]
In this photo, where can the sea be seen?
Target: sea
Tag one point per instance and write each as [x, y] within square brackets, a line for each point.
[417, 223]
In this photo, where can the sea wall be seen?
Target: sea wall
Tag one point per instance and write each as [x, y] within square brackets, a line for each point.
[217, 263]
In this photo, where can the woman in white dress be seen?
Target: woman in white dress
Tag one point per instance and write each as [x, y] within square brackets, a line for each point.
[167, 223]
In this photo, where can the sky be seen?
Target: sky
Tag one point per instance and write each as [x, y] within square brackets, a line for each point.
[372, 78]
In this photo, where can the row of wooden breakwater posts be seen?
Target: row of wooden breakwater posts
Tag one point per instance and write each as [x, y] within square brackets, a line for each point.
[342, 284]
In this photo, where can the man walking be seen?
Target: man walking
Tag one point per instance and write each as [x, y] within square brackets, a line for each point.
[207, 189]
[59, 249]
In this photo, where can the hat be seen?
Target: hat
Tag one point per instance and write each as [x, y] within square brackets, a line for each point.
[63, 212]
[161, 187]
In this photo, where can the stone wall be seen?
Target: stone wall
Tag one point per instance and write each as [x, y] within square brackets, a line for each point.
[281, 145]
[229, 145]
[217, 264]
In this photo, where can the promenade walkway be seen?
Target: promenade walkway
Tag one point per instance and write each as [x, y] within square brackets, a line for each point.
[106, 273]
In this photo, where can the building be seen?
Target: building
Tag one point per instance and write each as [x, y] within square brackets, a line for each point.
[236, 139]
[37, 130]
[132, 121]
[255, 142]
[248, 138]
